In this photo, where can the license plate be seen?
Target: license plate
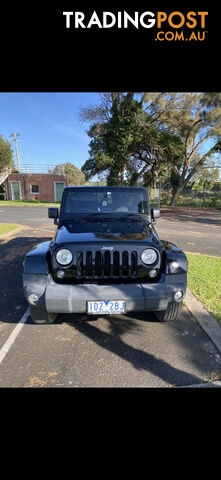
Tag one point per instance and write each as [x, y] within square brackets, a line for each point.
[106, 307]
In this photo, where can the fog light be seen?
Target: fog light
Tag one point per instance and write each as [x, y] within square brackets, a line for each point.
[178, 296]
[152, 273]
[33, 298]
[173, 266]
[60, 273]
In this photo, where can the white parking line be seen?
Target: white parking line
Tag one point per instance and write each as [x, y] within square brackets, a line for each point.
[13, 336]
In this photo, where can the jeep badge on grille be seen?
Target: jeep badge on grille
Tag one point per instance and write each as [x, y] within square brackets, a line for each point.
[107, 248]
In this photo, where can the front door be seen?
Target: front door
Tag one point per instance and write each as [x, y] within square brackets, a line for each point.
[59, 187]
[16, 190]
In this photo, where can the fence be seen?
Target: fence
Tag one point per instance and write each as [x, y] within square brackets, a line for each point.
[188, 197]
[41, 169]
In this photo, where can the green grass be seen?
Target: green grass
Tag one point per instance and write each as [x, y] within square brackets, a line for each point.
[193, 203]
[31, 202]
[204, 279]
[7, 227]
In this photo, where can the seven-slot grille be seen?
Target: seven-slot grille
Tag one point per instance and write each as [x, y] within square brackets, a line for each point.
[107, 264]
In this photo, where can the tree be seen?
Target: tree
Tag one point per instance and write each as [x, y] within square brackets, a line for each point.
[6, 154]
[217, 186]
[157, 157]
[114, 139]
[196, 118]
[74, 176]
[126, 146]
[100, 112]
[206, 176]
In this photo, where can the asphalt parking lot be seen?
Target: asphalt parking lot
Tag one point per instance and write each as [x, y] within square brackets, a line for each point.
[193, 230]
[131, 350]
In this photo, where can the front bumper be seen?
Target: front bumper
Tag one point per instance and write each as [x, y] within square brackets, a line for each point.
[57, 298]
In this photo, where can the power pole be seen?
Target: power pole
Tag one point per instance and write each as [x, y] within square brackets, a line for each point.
[13, 137]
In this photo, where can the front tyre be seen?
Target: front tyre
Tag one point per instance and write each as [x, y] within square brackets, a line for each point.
[40, 315]
[171, 313]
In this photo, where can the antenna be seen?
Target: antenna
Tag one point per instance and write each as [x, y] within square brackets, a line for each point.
[13, 137]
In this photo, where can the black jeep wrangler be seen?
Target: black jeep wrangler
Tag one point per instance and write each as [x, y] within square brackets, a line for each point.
[105, 258]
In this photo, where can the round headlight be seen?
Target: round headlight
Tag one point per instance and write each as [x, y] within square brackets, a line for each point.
[64, 256]
[149, 256]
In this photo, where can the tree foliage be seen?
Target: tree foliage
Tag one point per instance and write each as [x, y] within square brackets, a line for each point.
[6, 154]
[74, 176]
[100, 112]
[205, 177]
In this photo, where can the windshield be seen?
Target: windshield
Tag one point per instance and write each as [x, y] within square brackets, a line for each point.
[86, 200]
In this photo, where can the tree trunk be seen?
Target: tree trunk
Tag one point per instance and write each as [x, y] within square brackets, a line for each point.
[176, 194]
[182, 183]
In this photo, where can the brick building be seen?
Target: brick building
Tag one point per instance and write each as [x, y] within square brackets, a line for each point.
[45, 187]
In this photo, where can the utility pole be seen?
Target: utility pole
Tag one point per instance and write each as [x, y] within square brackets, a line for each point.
[13, 137]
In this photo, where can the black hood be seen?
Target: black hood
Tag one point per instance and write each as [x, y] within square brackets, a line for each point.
[109, 228]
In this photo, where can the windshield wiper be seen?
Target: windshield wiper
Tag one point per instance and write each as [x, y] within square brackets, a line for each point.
[103, 217]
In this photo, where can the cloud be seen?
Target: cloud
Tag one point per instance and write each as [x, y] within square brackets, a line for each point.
[65, 129]
[70, 131]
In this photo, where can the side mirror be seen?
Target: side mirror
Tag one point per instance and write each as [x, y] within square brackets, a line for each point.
[155, 213]
[53, 212]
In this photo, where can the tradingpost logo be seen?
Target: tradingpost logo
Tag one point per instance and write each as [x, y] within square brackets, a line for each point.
[167, 26]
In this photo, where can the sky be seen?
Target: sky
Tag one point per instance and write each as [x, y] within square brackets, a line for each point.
[51, 132]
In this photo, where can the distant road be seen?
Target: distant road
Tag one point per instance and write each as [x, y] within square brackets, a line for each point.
[193, 230]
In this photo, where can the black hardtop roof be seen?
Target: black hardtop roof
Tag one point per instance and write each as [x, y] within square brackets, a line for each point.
[106, 187]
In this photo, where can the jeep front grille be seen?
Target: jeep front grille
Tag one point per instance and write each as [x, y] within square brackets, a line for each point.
[106, 264]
